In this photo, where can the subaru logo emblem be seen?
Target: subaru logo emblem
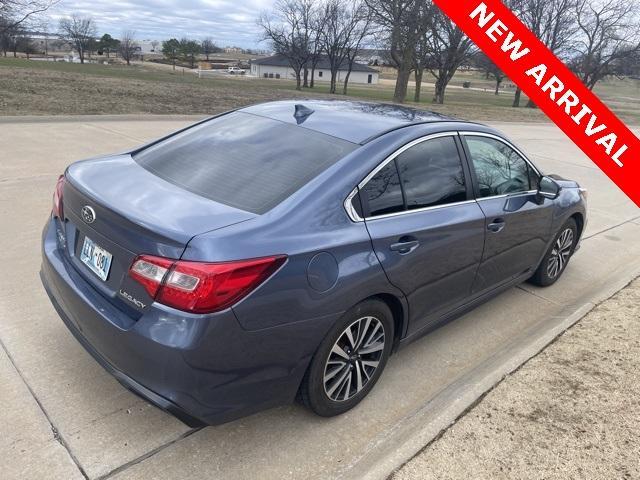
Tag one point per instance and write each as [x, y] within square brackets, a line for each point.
[88, 214]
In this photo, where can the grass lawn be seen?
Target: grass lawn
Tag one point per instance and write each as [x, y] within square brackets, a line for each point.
[29, 87]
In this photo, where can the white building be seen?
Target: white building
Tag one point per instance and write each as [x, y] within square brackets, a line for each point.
[277, 66]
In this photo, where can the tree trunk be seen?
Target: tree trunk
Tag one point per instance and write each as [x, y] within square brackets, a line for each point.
[441, 87]
[313, 76]
[498, 82]
[418, 74]
[332, 88]
[530, 104]
[305, 83]
[346, 81]
[402, 82]
[516, 98]
[174, 65]
[298, 80]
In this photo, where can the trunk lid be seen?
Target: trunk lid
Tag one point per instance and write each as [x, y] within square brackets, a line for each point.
[134, 212]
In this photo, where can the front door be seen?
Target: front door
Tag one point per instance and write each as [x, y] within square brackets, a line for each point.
[518, 221]
[426, 231]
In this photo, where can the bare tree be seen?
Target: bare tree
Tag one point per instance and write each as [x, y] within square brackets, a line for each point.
[362, 18]
[318, 22]
[14, 13]
[208, 47]
[491, 69]
[79, 31]
[422, 52]
[128, 46]
[343, 32]
[400, 22]
[448, 47]
[552, 21]
[609, 36]
[287, 29]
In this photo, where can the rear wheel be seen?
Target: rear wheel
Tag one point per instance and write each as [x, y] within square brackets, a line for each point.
[557, 257]
[349, 360]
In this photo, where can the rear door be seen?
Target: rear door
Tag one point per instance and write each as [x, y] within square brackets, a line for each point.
[426, 230]
[518, 222]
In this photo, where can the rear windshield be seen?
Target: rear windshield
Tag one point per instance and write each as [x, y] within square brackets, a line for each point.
[243, 160]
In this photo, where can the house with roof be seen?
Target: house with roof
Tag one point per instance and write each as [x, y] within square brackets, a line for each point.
[277, 66]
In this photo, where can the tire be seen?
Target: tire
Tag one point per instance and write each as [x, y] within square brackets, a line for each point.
[349, 379]
[557, 257]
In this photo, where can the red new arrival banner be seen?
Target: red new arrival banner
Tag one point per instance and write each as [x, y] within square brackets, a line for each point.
[553, 87]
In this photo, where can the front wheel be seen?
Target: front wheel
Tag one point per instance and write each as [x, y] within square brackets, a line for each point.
[557, 257]
[349, 360]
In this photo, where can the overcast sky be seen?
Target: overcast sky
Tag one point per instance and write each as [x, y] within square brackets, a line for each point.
[227, 22]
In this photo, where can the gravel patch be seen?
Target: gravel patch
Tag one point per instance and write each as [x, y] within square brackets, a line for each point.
[573, 411]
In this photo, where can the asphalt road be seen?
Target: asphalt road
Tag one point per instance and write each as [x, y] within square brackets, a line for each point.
[62, 416]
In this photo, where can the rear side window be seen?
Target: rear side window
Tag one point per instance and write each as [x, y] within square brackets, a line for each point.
[243, 160]
[382, 194]
[431, 173]
[426, 175]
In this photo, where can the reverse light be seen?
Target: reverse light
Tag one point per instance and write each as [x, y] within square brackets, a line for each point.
[56, 210]
[201, 287]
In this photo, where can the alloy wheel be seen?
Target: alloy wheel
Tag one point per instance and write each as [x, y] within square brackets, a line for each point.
[560, 253]
[354, 359]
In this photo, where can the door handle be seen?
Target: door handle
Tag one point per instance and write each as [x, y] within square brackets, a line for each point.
[497, 225]
[404, 246]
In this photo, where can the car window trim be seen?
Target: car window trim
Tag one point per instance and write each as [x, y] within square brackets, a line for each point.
[351, 212]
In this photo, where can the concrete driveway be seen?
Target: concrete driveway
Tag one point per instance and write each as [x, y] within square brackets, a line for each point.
[62, 416]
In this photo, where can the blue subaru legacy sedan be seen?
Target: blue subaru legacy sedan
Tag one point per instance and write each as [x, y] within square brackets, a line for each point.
[283, 251]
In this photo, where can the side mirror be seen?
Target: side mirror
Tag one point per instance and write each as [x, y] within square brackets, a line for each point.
[549, 188]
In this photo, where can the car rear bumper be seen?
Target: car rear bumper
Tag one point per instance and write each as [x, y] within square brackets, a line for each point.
[124, 379]
[202, 369]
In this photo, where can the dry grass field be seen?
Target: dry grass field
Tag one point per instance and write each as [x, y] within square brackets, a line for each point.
[29, 87]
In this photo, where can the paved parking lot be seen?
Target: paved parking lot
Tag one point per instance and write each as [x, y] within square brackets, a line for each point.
[64, 417]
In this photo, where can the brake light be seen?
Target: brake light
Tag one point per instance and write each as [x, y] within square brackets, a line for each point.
[56, 210]
[201, 287]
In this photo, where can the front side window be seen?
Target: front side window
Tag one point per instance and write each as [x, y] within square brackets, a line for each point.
[426, 175]
[500, 170]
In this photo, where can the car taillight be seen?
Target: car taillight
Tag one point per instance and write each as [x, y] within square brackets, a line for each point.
[57, 198]
[201, 287]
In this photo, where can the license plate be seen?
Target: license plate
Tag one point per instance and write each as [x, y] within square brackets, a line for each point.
[96, 258]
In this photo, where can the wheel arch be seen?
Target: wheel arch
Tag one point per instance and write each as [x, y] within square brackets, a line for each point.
[400, 315]
[578, 217]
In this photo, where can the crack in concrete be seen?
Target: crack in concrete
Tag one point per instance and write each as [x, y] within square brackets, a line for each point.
[114, 132]
[594, 167]
[631, 220]
[57, 436]
[149, 454]
[548, 300]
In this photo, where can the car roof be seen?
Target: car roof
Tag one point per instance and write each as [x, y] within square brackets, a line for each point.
[354, 121]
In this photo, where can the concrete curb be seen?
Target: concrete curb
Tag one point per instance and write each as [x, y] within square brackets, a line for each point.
[408, 438]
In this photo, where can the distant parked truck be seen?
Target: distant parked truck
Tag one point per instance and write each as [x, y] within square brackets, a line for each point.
[236, 71]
